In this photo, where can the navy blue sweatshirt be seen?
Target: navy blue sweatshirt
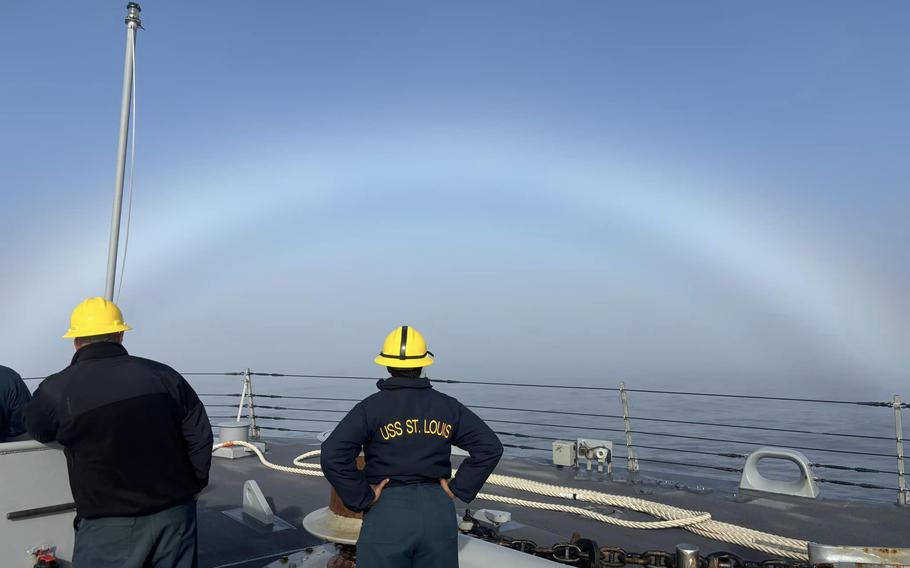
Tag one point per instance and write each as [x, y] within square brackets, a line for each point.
[406, 431]
[136, 436]
[14, 396]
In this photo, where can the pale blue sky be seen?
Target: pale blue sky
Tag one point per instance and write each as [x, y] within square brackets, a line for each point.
[708, 194]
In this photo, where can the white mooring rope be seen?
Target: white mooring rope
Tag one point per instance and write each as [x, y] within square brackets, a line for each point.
[699, 523]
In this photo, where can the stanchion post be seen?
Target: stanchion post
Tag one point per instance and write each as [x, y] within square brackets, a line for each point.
[631, 460]
[899, 436]
[248, 387]
[243, 391]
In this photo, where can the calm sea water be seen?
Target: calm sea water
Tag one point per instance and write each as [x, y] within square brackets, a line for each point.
[650, 436]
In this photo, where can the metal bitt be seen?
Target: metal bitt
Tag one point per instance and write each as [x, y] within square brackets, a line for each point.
[631, 460]
[686, 556]
[132, 24]
[902, 498]
[251, 405]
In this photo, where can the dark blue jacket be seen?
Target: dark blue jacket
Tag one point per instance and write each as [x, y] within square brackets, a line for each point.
[406, 431]
[136, 436]
[14, 396]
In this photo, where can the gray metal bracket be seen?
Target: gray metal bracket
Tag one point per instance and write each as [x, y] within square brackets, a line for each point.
[256, 511]
[255, 504]
[596, 451]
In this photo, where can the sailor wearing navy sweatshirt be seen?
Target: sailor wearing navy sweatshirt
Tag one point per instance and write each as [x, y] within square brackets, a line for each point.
[406, 491]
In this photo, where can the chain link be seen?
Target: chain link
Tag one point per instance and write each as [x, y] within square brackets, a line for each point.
[520, 545]
[777, 563]
[612, 557]
[659, 559]
[724, 560]
[584, 553]
[567, 553]
[615, 557]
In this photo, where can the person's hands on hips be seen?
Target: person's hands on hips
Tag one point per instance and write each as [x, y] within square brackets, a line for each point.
[444, 483]
[377, 490]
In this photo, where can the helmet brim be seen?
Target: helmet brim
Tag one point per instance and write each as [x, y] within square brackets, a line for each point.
[74, 333]
[403, 363]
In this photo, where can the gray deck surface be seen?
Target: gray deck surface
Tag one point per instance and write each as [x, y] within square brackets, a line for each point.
[224, 540]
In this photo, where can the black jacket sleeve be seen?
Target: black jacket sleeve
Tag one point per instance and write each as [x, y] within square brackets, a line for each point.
[5, 415]
[41, 416]
[339, 460]
[19, 397]
[197, 431]
[474, 436]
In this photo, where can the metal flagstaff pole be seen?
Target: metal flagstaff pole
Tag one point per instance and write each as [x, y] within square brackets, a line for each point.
[132, 24]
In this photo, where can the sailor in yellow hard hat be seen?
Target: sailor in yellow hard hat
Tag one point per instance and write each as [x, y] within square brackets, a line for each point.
[406, 431]
[404, 348]
[95, 408]
[97, 318]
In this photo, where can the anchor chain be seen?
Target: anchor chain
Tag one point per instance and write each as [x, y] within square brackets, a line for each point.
[584, 553]
[615, 557]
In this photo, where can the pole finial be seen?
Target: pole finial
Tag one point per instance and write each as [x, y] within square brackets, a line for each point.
[132, 14]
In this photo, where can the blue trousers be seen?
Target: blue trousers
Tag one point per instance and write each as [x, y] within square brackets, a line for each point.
[411, 526]
[166, 539]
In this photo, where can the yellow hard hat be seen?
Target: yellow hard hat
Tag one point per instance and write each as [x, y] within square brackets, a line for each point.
[404, 348]
[96, 316]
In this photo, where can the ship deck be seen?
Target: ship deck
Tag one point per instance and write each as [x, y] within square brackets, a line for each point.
[226, 542]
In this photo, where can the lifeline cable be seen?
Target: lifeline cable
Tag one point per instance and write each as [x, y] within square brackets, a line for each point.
[887, 404]
[276, 428]
[667, 434]
[732, 455]
[641, 418]
[691, 422]
[579, 387]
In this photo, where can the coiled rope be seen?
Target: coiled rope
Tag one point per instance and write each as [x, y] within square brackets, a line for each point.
[690, 520]
[697, 522]
[305, 469]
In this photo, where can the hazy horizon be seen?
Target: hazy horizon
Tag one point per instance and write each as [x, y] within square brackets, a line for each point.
[703, 195]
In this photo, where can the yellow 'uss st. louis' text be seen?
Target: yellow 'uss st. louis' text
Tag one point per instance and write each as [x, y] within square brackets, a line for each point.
[414, 426]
